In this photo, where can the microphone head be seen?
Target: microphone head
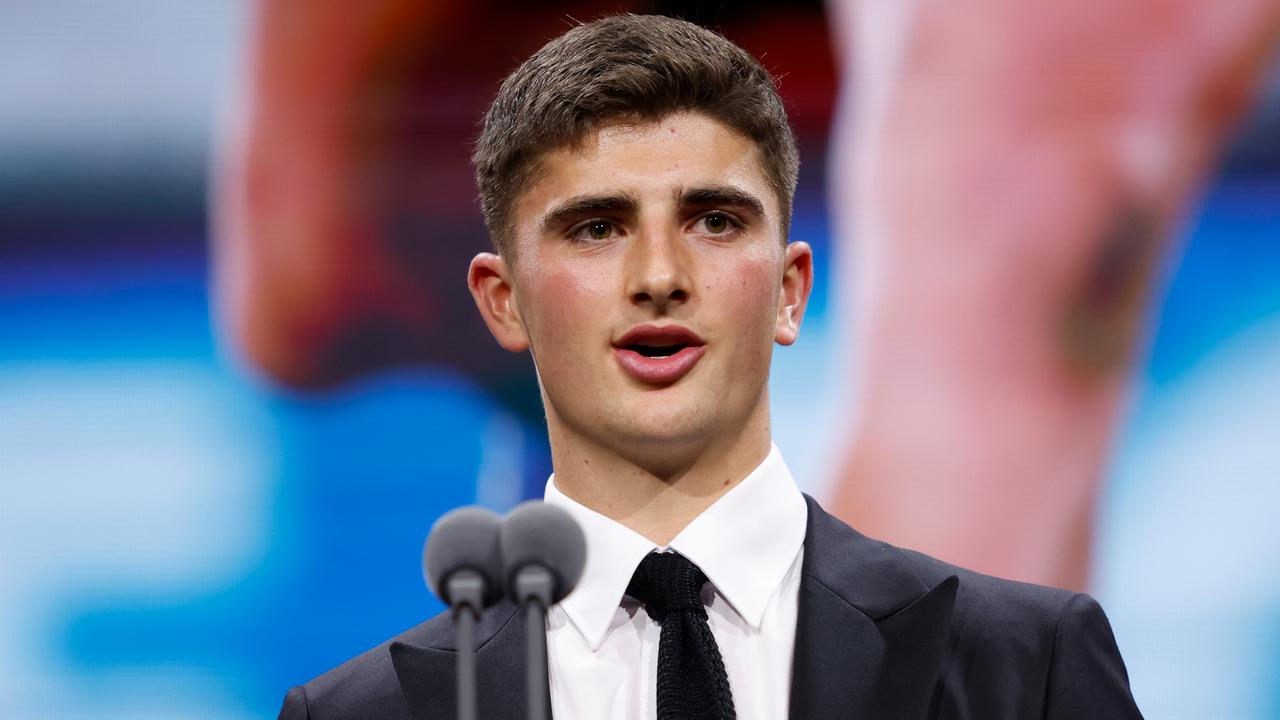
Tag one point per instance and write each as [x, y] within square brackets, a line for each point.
[536, 533]
[464, 538]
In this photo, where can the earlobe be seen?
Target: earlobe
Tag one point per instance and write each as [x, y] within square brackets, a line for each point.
[490, 282]
[797, 282]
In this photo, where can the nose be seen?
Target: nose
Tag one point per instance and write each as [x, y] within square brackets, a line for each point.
[659, 270]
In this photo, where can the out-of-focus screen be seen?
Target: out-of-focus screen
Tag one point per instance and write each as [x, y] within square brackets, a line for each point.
[240, 374]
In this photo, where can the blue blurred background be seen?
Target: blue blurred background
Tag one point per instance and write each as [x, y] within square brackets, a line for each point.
[180, 538]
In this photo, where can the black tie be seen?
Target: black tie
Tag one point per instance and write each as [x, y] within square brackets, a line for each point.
[692, 684]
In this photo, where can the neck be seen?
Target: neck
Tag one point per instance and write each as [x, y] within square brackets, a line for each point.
[660, 488]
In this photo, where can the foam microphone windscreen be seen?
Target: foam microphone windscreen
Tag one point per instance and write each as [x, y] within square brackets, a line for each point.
[536, 533]
[465, 538]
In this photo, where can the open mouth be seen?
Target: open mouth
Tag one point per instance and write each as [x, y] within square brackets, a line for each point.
[659, 355]
[657, 351]
[651, 340]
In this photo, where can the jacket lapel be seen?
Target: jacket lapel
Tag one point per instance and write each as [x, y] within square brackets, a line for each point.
[870, 636]
[426, 672]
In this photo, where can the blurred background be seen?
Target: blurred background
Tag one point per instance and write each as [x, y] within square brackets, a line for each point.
[240, 375]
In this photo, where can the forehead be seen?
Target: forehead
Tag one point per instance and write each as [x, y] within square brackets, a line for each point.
[652, 161]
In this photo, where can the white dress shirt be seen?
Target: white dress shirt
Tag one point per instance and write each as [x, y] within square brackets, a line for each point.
[603, 648]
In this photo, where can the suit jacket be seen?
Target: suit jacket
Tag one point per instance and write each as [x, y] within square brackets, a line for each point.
[882, 633]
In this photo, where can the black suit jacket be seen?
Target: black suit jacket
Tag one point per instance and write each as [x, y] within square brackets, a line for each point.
[882, 633]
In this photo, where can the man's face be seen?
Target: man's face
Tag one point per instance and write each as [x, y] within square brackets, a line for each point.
[650, 282]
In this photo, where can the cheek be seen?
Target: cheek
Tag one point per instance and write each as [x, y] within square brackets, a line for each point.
[761, 281]
[751, 290]
[565, 299]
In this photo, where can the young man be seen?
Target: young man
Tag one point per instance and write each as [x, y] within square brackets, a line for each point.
[637, 175]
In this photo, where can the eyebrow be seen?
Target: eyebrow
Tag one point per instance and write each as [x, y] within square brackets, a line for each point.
[725, 195]
[581, 206]
[584, 205]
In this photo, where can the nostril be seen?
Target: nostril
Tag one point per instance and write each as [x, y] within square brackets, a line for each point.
[663, 293]
[676, 296]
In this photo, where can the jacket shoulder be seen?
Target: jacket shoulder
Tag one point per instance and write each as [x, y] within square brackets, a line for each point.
[364, 686]
[879, 575]
[1024, 650]
[1013, 649]
[1017, 609]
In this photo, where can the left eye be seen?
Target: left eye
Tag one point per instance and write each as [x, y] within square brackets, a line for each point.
[716, 223]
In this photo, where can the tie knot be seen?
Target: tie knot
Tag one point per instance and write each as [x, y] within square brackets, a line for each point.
[666, 583]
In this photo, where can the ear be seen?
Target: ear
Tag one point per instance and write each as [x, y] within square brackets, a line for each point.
[490, 282]
[797, 282]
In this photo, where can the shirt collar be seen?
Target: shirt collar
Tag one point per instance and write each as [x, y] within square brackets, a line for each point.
[745, 543]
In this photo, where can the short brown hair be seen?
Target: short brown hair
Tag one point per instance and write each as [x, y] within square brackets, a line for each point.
[641, 67]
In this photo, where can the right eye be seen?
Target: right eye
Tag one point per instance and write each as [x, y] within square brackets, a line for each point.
[595, 230]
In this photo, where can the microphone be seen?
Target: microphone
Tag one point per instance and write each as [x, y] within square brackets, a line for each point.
[462, 563]
[543, 554]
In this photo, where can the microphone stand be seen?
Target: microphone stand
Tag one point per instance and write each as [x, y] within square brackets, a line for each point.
[534, 587]
[543, 554]
[466, 593]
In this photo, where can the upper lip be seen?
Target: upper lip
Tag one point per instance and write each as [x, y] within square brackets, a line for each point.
[658, 335]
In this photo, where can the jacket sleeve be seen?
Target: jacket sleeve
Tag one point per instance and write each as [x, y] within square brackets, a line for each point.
[295, 705]
[1087, 678]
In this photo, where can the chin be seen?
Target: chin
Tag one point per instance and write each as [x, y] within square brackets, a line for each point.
[671, 427]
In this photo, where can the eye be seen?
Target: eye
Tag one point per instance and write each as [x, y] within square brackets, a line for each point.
[716, 223]
[595, 230]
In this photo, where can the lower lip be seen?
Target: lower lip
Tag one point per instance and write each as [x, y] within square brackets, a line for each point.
[659, 370]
